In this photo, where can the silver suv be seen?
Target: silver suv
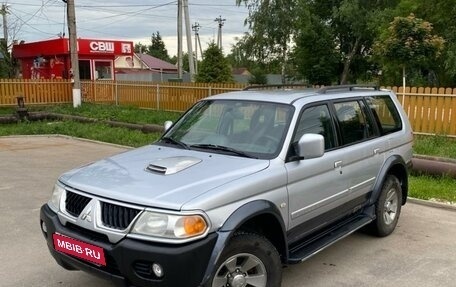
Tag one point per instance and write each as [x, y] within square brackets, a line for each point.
[242, 184]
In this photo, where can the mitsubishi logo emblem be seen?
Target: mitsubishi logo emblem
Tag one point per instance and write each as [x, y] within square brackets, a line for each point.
[86, 215]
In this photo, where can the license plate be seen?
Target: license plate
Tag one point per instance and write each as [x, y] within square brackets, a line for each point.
[79, 249]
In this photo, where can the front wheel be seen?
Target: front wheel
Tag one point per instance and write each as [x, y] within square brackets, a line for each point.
[249, 260]
[388, 207]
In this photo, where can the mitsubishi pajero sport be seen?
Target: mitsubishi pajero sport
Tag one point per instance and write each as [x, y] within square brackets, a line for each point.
[241, 185]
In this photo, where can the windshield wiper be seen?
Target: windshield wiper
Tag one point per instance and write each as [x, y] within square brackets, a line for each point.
[222, 148]
[175, 142]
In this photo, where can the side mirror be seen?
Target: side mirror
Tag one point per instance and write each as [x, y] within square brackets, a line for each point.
[167, 126]
[311, 146]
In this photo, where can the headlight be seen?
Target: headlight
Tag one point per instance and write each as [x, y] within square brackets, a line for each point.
[54, 202]
[170, 226]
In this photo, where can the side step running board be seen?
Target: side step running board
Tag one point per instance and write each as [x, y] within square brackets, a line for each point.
[312, 246]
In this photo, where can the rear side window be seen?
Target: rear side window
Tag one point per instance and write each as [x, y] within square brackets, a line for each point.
[385, 113]
[354, 125]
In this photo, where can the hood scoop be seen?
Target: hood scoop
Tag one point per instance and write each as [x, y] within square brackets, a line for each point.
[172, 165]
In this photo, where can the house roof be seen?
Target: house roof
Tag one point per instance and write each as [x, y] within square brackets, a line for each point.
[241, 71]
[156, 64]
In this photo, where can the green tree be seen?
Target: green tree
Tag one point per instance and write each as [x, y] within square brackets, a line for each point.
[315, 55]
[185, 63]
[240, 55]
[244, 54]
[408, 43]
[258, 77]
[214, 67]
[353, 26]
[8, 65]
[272, 25]
[141, 48]
[158, 48]
[441, 14]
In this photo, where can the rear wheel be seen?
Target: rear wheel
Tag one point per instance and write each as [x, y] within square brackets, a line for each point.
[249, 260]
[388, 207]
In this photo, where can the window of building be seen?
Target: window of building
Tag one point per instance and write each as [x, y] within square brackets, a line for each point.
[103, 70]
[84, 70]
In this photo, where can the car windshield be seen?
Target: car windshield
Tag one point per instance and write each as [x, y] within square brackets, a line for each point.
[241, 128]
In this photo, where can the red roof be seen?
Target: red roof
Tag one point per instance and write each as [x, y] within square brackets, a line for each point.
[156, 64]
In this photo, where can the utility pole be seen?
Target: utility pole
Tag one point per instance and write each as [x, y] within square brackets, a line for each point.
[195, 29]
[74, 53]
[221, 22]
[189, 41]
[4, 12]
[179, 39]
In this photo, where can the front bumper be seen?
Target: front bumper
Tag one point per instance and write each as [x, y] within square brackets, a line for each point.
[129, 261]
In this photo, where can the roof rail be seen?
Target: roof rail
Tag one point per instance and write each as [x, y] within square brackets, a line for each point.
[323, 90]
[278, 86]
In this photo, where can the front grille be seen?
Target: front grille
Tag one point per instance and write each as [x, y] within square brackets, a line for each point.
[75, 203]
[116, 216]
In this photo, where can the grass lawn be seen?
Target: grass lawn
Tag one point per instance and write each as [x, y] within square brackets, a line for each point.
[435, 146]
[97, 131]
[437, 188]
[126, 114]
[7, 111]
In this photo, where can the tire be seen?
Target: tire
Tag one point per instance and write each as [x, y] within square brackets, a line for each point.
[388, 207]
[249, 260]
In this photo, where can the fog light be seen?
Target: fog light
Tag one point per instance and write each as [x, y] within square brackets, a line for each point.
[44, 227]
[158, 270]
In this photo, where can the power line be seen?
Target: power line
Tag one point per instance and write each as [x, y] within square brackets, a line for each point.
[30, 26]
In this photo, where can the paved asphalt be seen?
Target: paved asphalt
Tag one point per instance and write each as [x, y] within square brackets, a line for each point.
[421, 252]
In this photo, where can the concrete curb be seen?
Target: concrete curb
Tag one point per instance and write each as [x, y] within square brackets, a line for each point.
[432, 203]
[436, 158]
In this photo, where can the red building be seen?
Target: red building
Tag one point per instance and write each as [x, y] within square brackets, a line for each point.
[51, 59]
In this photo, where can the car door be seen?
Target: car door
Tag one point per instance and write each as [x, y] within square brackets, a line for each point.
[315, 186]
[363, 149]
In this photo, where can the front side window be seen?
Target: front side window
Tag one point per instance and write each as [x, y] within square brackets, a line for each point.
[353, 123]
[316, 120]
[256, 129]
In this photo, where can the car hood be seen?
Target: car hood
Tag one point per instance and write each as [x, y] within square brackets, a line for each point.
[157, 176]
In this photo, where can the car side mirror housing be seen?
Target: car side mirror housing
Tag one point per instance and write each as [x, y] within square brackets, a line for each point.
[167, 125]
[311, 146]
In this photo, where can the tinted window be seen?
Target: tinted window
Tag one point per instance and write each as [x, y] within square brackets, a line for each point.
[353, 123]
[385, 113]
[316, 120]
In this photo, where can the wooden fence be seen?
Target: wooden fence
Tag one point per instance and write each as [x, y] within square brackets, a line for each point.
[430, 110]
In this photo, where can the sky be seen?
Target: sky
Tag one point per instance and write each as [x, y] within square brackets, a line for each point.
[134, 20]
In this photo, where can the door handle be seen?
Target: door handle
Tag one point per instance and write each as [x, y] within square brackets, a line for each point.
[338, 164]
[376, 151]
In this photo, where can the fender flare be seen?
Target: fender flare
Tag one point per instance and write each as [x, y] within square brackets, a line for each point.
[234, 221]
[389, 163]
